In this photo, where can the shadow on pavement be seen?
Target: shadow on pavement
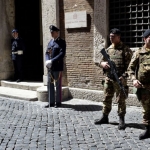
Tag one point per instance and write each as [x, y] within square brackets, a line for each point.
[130, 125]
[84, 107]
[135, 125]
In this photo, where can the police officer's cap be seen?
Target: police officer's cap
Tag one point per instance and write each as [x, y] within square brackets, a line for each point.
[115, 31]
[14, 30]
[146, 33]
[53, 28]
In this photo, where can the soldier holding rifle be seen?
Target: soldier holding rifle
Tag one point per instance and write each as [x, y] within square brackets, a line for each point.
[139, 72]
[120, 55]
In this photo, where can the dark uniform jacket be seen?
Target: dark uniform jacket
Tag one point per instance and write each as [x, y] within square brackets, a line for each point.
[56, 51]
[17, 45]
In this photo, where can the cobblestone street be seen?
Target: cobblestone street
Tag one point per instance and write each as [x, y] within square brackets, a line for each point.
[29, 126]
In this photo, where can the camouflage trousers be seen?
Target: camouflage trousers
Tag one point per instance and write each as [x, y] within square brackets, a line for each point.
[145, 101]
[110, 88]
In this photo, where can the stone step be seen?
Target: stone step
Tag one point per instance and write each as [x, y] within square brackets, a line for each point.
[18, 93]
[22, 85]
[42, 93]
[31, 91]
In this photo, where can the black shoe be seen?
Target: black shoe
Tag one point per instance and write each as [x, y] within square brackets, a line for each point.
[19, 80]
[145, 134]
[47, 106]
[121, 125]
[104, 120]
[58, 105]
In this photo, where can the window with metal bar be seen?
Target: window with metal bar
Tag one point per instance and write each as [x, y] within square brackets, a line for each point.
[132, 17]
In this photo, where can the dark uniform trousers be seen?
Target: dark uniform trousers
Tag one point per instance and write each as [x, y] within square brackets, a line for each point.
[55, 78]
[18, 67]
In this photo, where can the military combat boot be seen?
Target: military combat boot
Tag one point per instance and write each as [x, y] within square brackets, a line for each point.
[145, 134]
[121, 125]
[103, 120]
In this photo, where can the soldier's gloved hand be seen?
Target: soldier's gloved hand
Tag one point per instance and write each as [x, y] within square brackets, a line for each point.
[137, 83]
[48, 63]
[105, 65]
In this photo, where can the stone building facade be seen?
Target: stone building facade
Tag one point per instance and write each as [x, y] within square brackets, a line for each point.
[6, 24]
[83, 44]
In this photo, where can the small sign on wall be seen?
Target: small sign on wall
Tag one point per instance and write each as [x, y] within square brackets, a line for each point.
[77, 19]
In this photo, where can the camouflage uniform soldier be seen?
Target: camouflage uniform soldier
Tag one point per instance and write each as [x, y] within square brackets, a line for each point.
[120, 54]
[139, 72]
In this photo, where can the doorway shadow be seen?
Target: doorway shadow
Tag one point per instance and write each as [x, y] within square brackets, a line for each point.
[80, 107]
[28, 22]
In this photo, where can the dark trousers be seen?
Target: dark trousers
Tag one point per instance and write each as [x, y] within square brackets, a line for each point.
[18, 68]
[55, 77]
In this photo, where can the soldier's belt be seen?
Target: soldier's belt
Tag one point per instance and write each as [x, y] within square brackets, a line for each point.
[19, 52]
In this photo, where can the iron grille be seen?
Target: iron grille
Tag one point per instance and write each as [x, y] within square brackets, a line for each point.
[132, 17]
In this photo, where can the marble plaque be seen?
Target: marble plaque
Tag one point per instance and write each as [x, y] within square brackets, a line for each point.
[77, 19]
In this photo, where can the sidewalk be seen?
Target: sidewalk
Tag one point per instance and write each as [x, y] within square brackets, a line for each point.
[28, 126]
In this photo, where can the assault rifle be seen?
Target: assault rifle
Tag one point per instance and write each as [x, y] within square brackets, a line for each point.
[113, 70]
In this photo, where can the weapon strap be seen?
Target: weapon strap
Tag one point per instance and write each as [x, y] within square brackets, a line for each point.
[53, 80]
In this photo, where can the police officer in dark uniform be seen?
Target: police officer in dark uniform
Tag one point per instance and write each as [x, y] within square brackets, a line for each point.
[18, 48]
[55, 53]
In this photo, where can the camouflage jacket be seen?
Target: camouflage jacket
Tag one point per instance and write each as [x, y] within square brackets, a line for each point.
[121, 56]
[139, 67]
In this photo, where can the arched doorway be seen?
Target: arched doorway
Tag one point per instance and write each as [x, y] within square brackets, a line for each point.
[28, 22]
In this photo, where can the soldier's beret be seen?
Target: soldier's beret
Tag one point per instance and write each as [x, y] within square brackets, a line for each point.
[146, 33]
[115, 31]
[14, 30]
[53, 28]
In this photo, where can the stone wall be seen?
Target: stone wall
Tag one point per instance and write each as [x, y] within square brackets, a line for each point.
[81, 70]
[84, 44]
[7, 17]
[100, 27]
[98, 96]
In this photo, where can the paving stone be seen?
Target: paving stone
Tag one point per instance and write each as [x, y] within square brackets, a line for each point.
[27, 125]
